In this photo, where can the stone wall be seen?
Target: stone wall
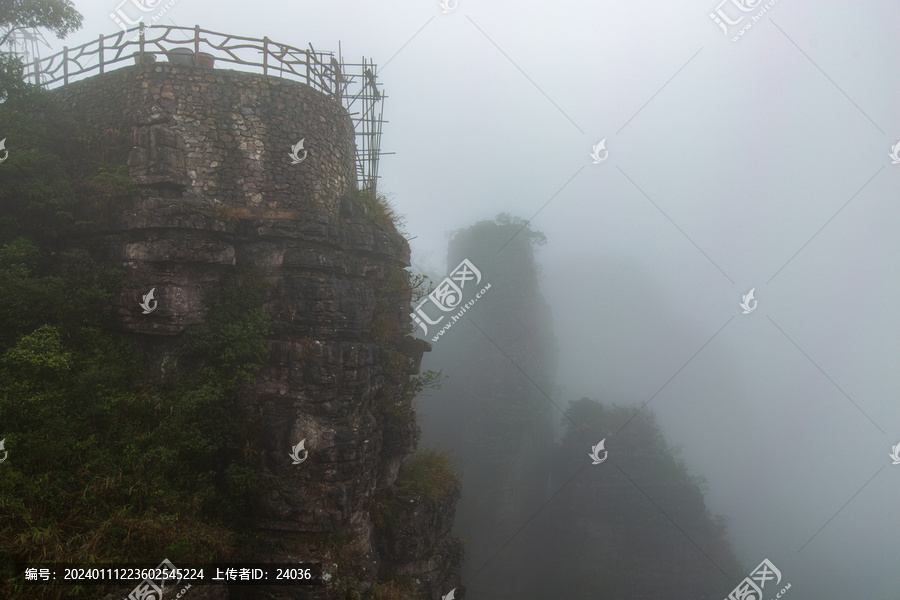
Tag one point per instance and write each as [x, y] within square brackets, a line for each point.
[225, 136]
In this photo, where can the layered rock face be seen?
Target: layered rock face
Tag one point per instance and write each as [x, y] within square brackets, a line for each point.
[218, 189]
[493, 412]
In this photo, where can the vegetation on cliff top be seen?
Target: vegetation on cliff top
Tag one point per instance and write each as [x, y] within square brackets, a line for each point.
[380, 211]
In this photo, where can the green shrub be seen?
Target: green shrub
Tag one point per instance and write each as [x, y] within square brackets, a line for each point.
[428, 474]
[229, 346]
[101, 468]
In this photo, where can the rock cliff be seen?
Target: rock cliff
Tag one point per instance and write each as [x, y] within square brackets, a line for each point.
[216, 189]
[493, 412]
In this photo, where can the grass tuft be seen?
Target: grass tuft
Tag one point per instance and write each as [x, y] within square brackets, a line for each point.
[429, 474]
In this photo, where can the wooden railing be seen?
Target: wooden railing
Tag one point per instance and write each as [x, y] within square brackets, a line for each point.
[354, 85]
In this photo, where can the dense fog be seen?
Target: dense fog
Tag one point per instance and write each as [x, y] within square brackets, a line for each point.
[614, 311]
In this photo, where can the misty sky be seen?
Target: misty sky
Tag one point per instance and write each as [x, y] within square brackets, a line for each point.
[761, 163]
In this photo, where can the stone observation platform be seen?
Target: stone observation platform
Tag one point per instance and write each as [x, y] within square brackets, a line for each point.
[353, 85]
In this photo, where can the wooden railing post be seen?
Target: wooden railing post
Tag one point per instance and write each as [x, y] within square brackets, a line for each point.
[141, 48]
[308, 65]
[196, 45]
[265, 54]
[37, 71]
[65, 65]
[100, 52]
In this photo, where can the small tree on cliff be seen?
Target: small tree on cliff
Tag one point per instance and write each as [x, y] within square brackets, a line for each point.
[59, 16]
